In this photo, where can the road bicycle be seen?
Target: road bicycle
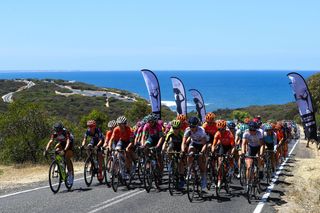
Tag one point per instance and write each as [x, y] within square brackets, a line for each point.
[57, 172]
[93, 168]
[194, 177]
[224, 174]
[151, 171]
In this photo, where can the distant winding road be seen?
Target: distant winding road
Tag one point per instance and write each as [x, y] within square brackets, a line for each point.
[8, 97]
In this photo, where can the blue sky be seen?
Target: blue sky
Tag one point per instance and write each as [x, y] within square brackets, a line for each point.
[160, 35]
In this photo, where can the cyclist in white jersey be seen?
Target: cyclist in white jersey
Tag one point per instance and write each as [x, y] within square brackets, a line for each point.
[197, 137]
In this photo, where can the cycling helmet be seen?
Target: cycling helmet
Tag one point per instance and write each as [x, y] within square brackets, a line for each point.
[243, 127]
[121, 120]
[152, 117]
[112, 124]
[181, 117]
[221, 124]
[255, 120]
[193, 121]
[175, 124]
[231, 125]
[210, 117]
[253, 125]
[91, 123]
[267, 127]
[58, 127]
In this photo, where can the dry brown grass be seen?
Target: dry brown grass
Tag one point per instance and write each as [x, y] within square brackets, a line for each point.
[303, 193]
[23, 174]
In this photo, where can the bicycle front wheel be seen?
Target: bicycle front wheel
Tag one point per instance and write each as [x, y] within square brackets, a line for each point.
[148, 175]
[88, 171]
[191, 184]
[115, 172]
[54, 177]
[66, 182]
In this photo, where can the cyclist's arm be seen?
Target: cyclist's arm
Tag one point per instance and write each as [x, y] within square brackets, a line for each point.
[184, 143]
[49, 144]
[67, 144]
[159, 145]
[262, 147]
[244, 146]
[84, 140]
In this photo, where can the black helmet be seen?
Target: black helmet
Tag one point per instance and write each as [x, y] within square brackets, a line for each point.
[58, 127]
[193, 121]
[253, 125]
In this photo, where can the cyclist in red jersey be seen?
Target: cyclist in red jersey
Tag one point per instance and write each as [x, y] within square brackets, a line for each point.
[224, 142]
[183, 119]
[210, 127]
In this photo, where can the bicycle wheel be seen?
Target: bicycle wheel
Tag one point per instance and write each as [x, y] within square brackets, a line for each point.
[242, 171]
[148, 175]
[88, 171]
[140, 169]
[54, 177]
[107, 172]
[268, 171]
[115, 173]
[66, 182]
[222, 177]
[210, 174]
[173, 177]
[249, 192]
[191, 183]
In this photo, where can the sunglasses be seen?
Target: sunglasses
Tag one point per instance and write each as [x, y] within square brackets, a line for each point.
[176, 128]
[193, 126]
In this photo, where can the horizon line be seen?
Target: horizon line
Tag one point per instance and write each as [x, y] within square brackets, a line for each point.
[174, 70]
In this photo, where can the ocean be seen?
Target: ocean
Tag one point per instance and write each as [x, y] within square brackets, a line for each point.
[220, 89]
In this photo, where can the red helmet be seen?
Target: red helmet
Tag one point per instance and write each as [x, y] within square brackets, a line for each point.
[91, 123]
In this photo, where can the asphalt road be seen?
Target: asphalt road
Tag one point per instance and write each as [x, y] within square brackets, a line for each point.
[8, 97]
[100, 198]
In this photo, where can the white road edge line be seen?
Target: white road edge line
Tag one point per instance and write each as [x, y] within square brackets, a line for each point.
[264, 198]
[112, 199]
[30, 190]
[115, 202]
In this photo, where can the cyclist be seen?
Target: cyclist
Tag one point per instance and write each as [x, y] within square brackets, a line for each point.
[64, 146]
[198, 137]
[252, 145]
[270, 139]
[123, 137]
[173, 142]
[96, 141]
[224, 142]
[232, 127]
[238, 142]
[152, 136]
[111, 125]
[210, 127]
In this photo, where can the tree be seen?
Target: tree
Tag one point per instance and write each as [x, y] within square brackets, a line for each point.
[100, 118]
[24, 128]
[240, 115]
[138, 110]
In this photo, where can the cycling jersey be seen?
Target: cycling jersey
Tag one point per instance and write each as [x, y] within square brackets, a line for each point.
[184, 126]
[125, 136]
[108, 134]
[197, 136]
[226, 138]
[96, 136]
[210, 129]
[63, 137]
[270, 140]
[253, 139]
[153, 130]
[174, 140]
